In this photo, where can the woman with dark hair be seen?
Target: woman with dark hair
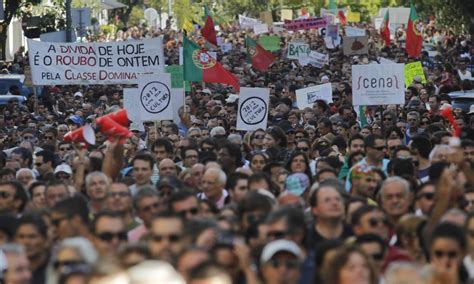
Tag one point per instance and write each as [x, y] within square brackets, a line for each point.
[350, 265]
[275, 142]
[257, 160]
[394, 132]
[299, 163]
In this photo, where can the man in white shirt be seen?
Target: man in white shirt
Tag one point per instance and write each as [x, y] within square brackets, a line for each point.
[213, 183]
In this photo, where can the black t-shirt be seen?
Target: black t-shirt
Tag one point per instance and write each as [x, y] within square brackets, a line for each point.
[314, 238]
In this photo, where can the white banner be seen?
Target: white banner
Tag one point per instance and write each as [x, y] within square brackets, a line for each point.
[318, 59]
[297, 49]
[308, 96]
[350, 31]
[247, 23]
[152, 100]
[94, 63]
[378, 84]
[260, 29]
[253, 108]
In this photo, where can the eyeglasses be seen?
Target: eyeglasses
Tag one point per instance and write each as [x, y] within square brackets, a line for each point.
[65, 149]
[374, 222]
[450, 254]
[197, 124]
[38, 164]
[59, 263]
[232, 130]
[49, 137]
[172, 238]
[28, 137]
[277, 234]
[150, 207]
[303, 149]
[118, 194]
[5, 195]
[427, 195]
[387, 119]
[289, 263]
[192, 211]
[109, 236]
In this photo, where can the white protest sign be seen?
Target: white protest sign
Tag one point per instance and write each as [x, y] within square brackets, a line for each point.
[253, 108]
[378, 22]
[378, 84]
[308, 96]
[247, 23]
[318, 59]
[383, 60]
[154, 97]
[331, 43]
[296, 49]
[226, 47]
[260, 29]
[130, 103]
[94, 63]
[350, 31]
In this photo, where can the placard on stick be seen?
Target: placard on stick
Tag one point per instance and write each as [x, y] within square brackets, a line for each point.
[308, 96]
[253, 108]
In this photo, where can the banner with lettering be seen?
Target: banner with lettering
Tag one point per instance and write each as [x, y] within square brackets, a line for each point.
[413, 70]
[94, 63]
[253, 108]
[378, 84]
[308, 96]
[306, 24]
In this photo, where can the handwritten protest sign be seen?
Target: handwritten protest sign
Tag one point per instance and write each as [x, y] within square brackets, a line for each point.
[266, 17]
[412, 70]
[318, 59]
[155, 97]
[353, 17]
[247, 22]
[253, 108]
[350, 32]
[378, 84]
[94, 63]
[260, 29]
[297, 49]
[308, 96]
[355, 45]
[286, 14]
[306, 24]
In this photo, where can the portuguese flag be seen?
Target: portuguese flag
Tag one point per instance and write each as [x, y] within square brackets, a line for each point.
[208, 31]
[385, 30]
[414, 39]
[261, 59]
[199, 66]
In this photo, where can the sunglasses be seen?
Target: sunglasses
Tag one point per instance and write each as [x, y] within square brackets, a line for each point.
[387, 119]
[172, 238]
[374, 222]
[38, 164]
[49, 137]
[449, 254]
[427, 195]
[109, 236]
[289, 263]
[192, 211]
[65, 149]
[377, 256]
[303, 149]
[380, 148]
[28, 137]
[233, 130]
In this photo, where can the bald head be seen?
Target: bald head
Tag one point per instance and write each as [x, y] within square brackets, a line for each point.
[167, 168]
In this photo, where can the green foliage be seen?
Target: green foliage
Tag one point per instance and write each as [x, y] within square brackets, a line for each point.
[94, 5]
[136, 16]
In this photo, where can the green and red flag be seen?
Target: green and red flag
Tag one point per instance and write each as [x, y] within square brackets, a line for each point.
[208, 31]
[199, 66]
[261, 59]
[414, 41]
[385, 29]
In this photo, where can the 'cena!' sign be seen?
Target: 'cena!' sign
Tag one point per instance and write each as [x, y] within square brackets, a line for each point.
[94, 63]
[378, 84]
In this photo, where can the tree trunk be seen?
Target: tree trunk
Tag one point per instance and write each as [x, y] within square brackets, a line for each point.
[3, 41]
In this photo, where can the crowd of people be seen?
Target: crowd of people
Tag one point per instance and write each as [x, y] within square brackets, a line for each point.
[322, 195]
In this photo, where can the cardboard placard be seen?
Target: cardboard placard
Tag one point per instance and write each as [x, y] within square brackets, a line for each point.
[286, 14]
[412, 70]
[355, 45]
[253, 108]
[260, 29]
[266, 17]
[297, 49]
[308, 96]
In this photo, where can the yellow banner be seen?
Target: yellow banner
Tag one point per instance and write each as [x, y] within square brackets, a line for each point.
[412, 70]
[353, 17]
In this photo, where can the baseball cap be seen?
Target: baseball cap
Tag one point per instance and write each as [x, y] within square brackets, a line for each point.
[63, 168]
[78, 94]
[75, 119]
[361, 170]
[206, 91]
[277, 246]
[297, 183]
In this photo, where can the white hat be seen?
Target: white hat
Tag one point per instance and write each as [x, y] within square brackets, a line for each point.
[78, 94]
[63, 168]
[232, 98]
[471, 109]
[207, 91]
[277, 246]
[325, 78]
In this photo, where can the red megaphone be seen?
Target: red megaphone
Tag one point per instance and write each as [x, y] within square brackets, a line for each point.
[83, 134]
[120, 117]
[112, 128]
